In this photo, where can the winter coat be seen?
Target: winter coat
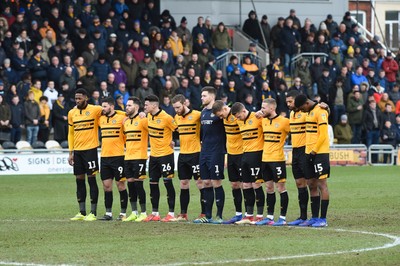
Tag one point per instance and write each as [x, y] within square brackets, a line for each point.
[221, 40]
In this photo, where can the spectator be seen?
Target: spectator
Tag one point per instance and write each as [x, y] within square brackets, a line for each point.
[382, 80]
[195, 89]
[32, 116]
[119, 74]
[51, 93]
[337, 100]
[200, 28]
[266, 29]
[150, 65]
[342, 131]
[36, 89]
[101, 68]
[384, 101]
[249, 66]
[388, 114]
[38, 66]
[166, 64]
[5, 118]
[144, 90]
[95, 98]
[325, 84]
[390, 66]
[167, 106]
[308, 44]
[119, 103]
[266, 92]
[276, 37]
[298, 86]
[80, 67]
[55, 70]
[17, 119]
[19, 62]
[372, 123]
[89, 81]
[69, 79]
[122, 91]
[251, 27]
[355, 106]
[294, 18]
[331, 25]
[90, 55]
[357, 78]
[234, 63]
[249, 103]
[394, 94]
[347, 21]
[44, 120]
[183, 30]
[290, 39]
[388, 135]
[397, 125]
[302, 71]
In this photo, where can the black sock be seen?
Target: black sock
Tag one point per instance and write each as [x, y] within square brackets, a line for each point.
[249, 200]
[303, 202]
[284, 203]
[141, 194]
[170, 194]
[94, 194]
[184, 199]
[154, 196]
[108, 200]
[260, 202]
[123, 197]
[324, 208]
[237, 199]
[208, 201]
[315, 203]
[202, 203]
[81, 195]
[219, 200]
[132, 195]
[271, 199]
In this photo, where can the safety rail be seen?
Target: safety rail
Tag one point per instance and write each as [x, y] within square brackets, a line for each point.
[309, 56]
[223, 60]
[384, 150]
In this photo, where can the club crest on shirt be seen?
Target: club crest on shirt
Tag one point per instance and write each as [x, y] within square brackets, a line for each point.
[87, 113]
[190, 117]
[113, 121]
[323, 117]
[212, 115]
[136, 124]
[276, 125]
[158, 121]
[250, 122]
[232, 119]
[299, 116]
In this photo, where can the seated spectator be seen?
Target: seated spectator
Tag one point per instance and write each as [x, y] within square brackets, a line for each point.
[144, 90]
[249, 66]
[394, 94]
[122, 91]
[95, 98]
[119, 103]
[234, 63]
[357, 78]
[249, 103]
[167, 106]
[266, 92]
[342, 131]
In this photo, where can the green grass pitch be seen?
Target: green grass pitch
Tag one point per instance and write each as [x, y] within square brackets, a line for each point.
[364, 212]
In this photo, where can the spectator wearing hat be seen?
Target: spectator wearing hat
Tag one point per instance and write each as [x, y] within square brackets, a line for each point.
[166, 28]
[137, 33]
[38, 66]
[354, 32]
[183, 30]
[337, 41]
[80, 41]
[234, 63]
[150, 65]
[391, 67]
[249, 66]
[166, 16]
[136, 51]
[266, 29]
[204, 56]
[294, 18]
[98, 41]
[347, 21]
[110, 53]
[221, 41]
[355, 108]
[34, 34]
[101, 68]
[60, 119]
[130, 67]
[342, 131]
[375, 62]
[331, 25]
[251, 27]
[325, 84]
[86, 16]
[7, 14]
[154, 14]
[276, 37]
[247, 89]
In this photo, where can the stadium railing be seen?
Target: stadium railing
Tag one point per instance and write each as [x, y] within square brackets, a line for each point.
[380, 150]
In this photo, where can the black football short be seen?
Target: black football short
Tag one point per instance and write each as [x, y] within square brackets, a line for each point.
[274, 171]
[161, 167]
[251, 167]
[319, 167]
[86, 162]
[135, 169]
[299, 162]
[189, 166]
[235, 167]
[112, 167]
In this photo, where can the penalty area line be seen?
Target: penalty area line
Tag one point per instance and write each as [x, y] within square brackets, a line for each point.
[396, 242]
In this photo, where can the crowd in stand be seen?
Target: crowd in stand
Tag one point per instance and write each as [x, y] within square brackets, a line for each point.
[120, 48]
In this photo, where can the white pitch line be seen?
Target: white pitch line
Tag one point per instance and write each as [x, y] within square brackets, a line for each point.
[396, 242]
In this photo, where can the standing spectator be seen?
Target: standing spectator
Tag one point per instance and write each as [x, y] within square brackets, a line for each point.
[294, 18]
[32, 116]
[331, 25]
[390, 66]
[183, 30]
[9, 73]
[44, 121]
[302, 71]
[89, 81]
[388, 114]
[148, 64]
[276, 37]
[19, 62]
[355, 107]
[394, 95]
[221, 41]
[388, 135]
[325, 85]
[357, 78]
[5, 118]
[384, 101]
[59, 119]
[337, 100]
[251, 26]
[90, 54]
[131, 69]
[55, 70]
[136, 51]
[51, 94]
[342, 131]
[290, 40]
[266, 28]
[122, 91]
[200, 28]
[38, 67]
[69, 78]
[101, 68]
[17, 119]
[372, 123]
